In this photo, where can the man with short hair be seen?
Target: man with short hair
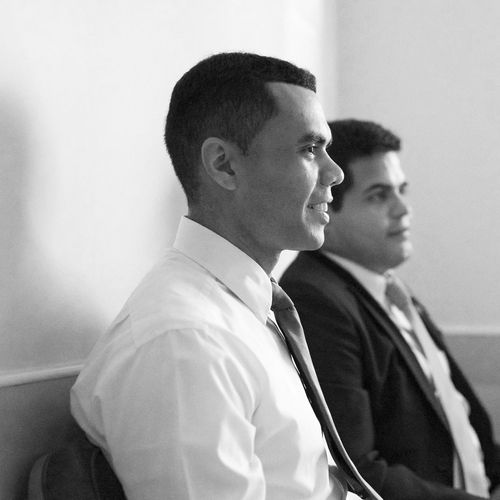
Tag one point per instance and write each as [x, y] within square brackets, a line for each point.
[380, 359]
[192, 392]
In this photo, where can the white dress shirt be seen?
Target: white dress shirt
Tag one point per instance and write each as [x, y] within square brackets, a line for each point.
[192, 396]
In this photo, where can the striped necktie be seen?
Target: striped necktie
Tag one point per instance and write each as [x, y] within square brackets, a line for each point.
[291, 328]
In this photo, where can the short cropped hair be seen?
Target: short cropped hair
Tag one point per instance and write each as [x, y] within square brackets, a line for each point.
[353, 139]
[223, 96]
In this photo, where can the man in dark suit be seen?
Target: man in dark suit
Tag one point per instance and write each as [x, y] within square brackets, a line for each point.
[378, 380]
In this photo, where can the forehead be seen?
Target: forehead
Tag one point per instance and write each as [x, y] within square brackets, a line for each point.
[299, 111]
[377, 169]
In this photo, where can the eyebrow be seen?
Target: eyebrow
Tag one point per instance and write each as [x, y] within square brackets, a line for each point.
[384, 187]
[316, 138]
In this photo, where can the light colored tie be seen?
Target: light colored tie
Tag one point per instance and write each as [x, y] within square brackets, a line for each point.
[471, 461]
[291, 328]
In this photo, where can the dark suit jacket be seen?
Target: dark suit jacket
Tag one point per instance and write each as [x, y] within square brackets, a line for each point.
[383, 405]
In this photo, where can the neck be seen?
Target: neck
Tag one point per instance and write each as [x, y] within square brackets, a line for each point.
[226, 228]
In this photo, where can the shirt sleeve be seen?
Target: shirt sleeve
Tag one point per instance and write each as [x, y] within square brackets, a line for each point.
[177, 420]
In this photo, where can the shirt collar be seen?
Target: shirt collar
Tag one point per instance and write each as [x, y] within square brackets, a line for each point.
[373, 282]
[234, 268]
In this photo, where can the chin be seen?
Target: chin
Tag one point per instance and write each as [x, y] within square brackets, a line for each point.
[400, 260]
[313, 242]
[407, 251]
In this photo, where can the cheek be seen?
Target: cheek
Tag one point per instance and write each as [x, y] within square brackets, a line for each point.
[297, 177]
[366, 222]
[369, 231]
[291, 195]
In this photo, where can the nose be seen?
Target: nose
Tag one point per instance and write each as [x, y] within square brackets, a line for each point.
[401, 206]
[331, 174]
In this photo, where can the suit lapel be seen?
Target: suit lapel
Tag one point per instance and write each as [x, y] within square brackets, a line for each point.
[386, 327]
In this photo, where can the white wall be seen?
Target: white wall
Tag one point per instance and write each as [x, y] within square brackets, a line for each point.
[430, 69]
[88, 199]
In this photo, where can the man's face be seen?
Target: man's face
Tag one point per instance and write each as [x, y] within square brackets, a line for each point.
[287, 174]
[373, 226]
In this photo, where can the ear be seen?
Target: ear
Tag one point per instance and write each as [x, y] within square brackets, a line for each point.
[216, 156]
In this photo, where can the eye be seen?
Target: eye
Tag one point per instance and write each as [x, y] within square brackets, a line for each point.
[311, 149]
[378, 196]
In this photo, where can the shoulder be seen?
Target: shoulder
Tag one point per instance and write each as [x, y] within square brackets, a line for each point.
[329, 299]
[304, 267]
[182, 314]
[178, 294]
[312, 277]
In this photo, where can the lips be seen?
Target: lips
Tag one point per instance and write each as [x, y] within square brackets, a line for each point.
[319, 207]
[400, 232]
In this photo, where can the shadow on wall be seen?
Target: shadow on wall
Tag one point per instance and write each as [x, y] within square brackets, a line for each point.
[43, 320]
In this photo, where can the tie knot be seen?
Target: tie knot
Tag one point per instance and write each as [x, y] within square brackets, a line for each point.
[281, 300]
[397, 293]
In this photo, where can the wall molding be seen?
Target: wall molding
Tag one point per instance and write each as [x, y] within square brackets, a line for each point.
[41, 374]
[469, 330]
[34, 375]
